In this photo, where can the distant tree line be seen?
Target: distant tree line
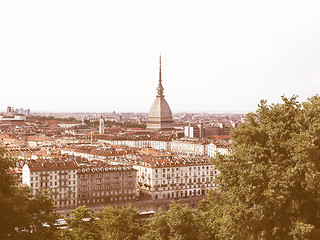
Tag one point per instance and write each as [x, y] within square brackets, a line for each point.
[96, 122]
[109, 124]
[68, 119]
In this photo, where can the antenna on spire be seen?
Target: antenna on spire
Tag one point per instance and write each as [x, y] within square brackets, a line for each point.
[160, 80]
[160, 88]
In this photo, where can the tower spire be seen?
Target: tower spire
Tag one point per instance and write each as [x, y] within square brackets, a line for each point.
[160, 88]
[160, 80]
[160, 115]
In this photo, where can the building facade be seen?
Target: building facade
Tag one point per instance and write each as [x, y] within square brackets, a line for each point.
[105, 184]
[59, 176]
[172, 177]
[188, 147]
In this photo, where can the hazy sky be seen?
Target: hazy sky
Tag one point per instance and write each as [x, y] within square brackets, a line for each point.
[100, 56]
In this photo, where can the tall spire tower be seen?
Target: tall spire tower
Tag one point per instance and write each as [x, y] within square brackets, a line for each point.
[101, 125]
[160, 115]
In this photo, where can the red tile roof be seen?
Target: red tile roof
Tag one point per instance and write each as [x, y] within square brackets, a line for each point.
[51, 166]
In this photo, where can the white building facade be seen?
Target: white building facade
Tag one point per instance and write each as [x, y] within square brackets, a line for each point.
[172, 178]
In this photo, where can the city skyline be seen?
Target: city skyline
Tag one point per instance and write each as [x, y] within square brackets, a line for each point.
[100, 57]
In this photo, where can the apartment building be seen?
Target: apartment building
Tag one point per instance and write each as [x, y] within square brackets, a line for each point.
[141, 142]
[104, 184]
[59, 176]
[171, 177]
[91, 153]
[188, 147]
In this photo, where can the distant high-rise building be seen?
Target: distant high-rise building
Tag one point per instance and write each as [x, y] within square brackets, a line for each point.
[193, 131]
[160, 115]
[12, 111]
[9, 109]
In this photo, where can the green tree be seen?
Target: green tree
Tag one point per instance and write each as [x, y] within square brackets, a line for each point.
[178, 223]
[270, 182]
[23, 215]
[69, 119]
[82, 225]
[213, 215]
[120, 223]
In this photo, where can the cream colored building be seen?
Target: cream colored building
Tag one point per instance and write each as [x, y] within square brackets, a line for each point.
[188, 147]
[172, 177]
[59, 176]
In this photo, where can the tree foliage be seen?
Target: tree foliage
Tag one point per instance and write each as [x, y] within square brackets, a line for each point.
[120, 223]
[111, 223]
[178, 223]
[270, 183]
[23, 215]
[82, 225]
[68, 119]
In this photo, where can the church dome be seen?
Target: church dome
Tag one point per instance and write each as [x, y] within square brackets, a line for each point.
[160, 110]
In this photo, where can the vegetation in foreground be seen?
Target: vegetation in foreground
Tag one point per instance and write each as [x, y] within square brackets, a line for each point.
[22, 215]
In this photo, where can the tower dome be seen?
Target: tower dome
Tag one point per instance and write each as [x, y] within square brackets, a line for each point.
[160, 115]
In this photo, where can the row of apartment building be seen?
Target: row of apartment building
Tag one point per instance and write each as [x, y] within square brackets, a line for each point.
[110, 176]
[181, 146]
[73, 184]
[162, 175]
[171, 177]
